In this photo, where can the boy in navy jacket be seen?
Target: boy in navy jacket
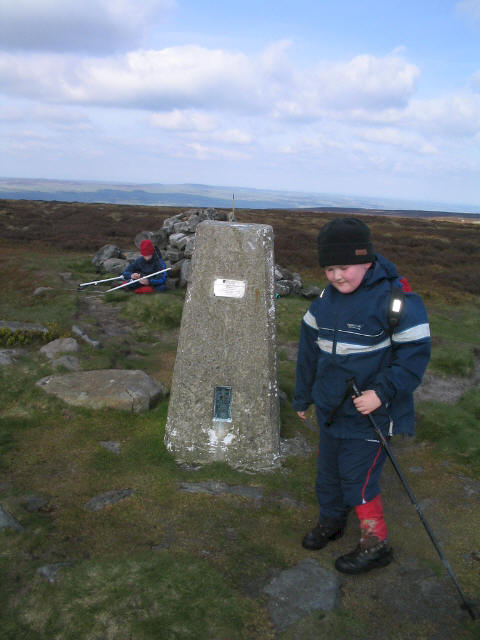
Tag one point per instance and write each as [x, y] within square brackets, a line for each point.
[150, 261]
[345, 334]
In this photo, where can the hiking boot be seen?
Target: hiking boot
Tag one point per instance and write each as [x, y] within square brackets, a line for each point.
[362, 559]
[321, 535]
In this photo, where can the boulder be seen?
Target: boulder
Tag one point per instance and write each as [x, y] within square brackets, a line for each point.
[173, 254]
[299, 591]
[178, 240]
[115, 265]
[143, 235]
[189, 246]
[160, 238]
[7, 521]
[8, 356]
[128, 390]
[41, 291]
[12, 326]
[66, 362]
[310, 292]
[185, 272]
[61, 345]
[283, 287]
[106, 252]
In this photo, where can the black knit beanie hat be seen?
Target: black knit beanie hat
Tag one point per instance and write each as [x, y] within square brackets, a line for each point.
[344, 241]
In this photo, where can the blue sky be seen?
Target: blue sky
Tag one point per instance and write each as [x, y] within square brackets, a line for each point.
[370, 98]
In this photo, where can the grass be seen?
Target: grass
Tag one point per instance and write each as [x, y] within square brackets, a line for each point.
[454, 429]
[165, 564]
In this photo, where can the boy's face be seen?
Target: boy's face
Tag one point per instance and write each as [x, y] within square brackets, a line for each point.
[346, 278]
[147, 258]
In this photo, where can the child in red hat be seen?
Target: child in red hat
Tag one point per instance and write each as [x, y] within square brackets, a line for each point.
[150, 261]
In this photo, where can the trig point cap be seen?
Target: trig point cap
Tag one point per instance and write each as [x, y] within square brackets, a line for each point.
[344, 241]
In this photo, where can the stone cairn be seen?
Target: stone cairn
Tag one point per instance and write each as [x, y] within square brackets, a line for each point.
[176, 242]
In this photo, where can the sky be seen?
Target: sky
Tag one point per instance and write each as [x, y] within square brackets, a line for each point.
[376, 98]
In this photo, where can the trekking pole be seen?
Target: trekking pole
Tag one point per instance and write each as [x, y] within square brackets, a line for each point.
[95, 282]
[125, 284]
[466, 604]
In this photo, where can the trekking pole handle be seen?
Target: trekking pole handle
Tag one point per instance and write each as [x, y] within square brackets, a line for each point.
[353, 384]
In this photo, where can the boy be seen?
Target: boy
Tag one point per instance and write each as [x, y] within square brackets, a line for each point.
[150, 261]
[345, 334]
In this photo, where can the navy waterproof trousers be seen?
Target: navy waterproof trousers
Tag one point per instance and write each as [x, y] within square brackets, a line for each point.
[348, 473]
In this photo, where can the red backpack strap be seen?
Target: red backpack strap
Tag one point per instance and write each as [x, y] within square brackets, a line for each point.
[405, 284]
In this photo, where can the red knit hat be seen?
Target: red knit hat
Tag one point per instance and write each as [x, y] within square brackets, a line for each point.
[147, 248]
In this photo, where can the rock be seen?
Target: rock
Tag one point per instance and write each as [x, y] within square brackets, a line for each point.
[8, 356]
[40, 291]
[296, 446]
[7, 521]
[173, 254]
[109, 497]
[220, 488]
[49, 571]
[106, 252]
[299, 591]
[11, 325]
[61, 345]
[160, 238]
[310, 292]
[190, 246]
[143, 235]
[178, 240]
[34, 503]
[128, 390]
[70, 363]
[112, 446]
[77, 331]
[171, 283]
[131, 256]
[282, 287]
[185, 273]
[169, 223]
[115, 265]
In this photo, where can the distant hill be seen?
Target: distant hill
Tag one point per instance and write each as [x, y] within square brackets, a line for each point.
[198, 195]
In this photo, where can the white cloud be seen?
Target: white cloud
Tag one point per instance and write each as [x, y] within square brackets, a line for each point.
[177, 120]
[448, 116]
[203, 152]
[95, 26]
[234, 136]
[192, 77]
[364, 82]
[398, 138]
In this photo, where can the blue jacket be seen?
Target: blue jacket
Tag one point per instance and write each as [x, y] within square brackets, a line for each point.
[144, 267]
[347, 335]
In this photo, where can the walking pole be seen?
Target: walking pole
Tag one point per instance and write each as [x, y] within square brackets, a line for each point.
[95, 282]
[466, 604]
[125, 284]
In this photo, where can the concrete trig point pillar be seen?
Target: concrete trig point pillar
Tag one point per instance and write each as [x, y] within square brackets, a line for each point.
[224, 401]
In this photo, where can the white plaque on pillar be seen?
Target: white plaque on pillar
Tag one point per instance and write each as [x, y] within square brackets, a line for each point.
[224, 288]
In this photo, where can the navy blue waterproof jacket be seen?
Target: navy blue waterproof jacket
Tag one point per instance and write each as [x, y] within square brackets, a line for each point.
[145, 267]
[347, 335]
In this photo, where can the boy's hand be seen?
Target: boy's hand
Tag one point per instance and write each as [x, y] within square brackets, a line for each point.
[367, 402]
[302, 415]
[144, 281]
